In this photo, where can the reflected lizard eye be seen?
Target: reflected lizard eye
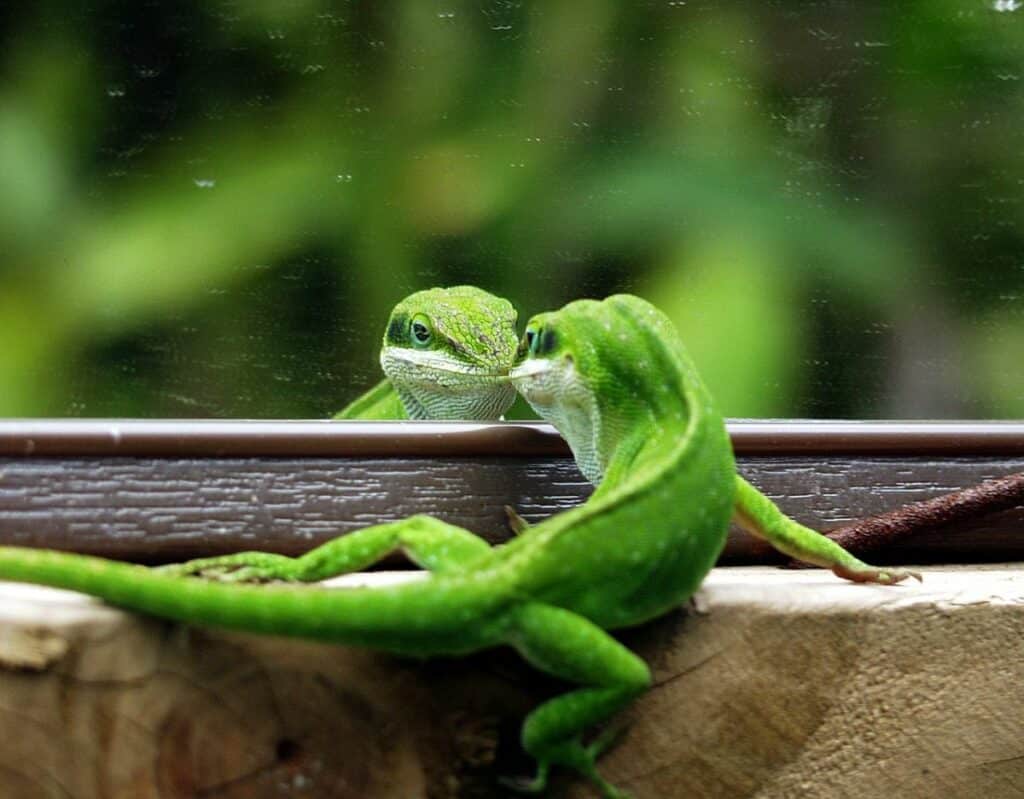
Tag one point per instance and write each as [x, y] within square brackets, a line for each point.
[419, 331]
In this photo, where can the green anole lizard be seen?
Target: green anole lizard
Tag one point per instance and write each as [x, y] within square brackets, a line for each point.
[446, 355]
[612, 376]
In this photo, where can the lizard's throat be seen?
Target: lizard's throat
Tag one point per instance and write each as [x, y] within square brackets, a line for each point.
[433, 385]
[554, 389]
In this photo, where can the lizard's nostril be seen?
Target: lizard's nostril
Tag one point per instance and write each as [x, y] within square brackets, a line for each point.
[287, 750]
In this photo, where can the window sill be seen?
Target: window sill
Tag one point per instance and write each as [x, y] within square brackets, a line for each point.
[777, 683]
[156, 491]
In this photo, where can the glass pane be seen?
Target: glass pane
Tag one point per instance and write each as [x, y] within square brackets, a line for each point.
[209, 209]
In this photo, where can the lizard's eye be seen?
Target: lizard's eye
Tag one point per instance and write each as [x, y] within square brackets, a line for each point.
[548, 339]
[419, 330]
[532, 339]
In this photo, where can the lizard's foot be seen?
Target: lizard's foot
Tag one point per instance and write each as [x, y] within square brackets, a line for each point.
[874, 574]
[606, 739]
[535, 785]
[576, 756]
[538, 784]
[247, 567]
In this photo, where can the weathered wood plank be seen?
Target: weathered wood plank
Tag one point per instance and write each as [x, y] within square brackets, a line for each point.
[809, 687]
[780, 684]
[159, 509]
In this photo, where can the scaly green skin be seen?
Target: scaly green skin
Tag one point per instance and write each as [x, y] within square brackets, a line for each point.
[446, 355]
[613, 377]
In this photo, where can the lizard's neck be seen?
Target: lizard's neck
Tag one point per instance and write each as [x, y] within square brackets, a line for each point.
[608, 442]
[606, 431]
[559, 396]
[580, 426]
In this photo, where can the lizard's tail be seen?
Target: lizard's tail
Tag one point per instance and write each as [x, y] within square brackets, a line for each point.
[412, 617]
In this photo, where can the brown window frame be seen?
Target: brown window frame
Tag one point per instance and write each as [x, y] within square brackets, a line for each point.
[153, 491]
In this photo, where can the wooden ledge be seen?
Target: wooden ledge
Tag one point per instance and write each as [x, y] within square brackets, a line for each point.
[776, 684]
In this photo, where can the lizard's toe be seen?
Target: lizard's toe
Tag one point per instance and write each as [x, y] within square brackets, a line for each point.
[533, 786]
[607, 738]
[871, 574]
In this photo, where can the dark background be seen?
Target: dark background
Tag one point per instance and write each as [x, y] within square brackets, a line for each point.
[208, 208]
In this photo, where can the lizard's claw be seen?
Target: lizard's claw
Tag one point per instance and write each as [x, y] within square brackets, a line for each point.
[244, 574]
[180, 570]
[219, 570]
[528, 785]
[873, 574]
[583, 761]
[516, 523]
[607, 738]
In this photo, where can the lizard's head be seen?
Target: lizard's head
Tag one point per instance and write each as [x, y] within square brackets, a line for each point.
[593, 369]
[447, 352]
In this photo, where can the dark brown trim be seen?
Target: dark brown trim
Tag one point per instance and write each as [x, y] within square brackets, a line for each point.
[876, 438]
[160, 509]
[216, 438]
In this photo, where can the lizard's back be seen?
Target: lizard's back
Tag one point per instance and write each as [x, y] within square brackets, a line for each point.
[660, 451]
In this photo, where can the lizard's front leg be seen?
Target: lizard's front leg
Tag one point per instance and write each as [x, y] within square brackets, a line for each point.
[429, 542]
[573, 648]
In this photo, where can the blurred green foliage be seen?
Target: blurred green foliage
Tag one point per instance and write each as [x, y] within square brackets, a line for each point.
[208, 209]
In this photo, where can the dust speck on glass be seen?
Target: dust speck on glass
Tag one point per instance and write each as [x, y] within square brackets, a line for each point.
[209, 209]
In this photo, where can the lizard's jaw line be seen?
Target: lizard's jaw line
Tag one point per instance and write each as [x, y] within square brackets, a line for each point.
[534, 380]
[437, 363]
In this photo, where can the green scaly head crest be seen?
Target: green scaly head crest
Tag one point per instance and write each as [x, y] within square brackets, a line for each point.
[447, 352]
[593, 369]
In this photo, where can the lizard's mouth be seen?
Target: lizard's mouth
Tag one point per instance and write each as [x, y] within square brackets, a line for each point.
[529, 369]
[534, 371]
[434, 362]
[538, 379]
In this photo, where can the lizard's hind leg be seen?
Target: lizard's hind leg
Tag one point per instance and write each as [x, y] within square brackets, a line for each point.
[429, 542]
[760, 516]
[573, 648]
